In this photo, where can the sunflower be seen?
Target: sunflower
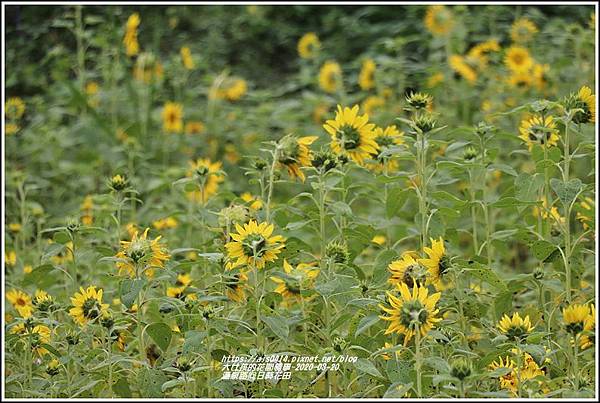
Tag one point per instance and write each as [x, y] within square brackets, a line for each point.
[87, 305]
[379, 240]
[141, 255]
[522, 30]
[437, 263]
[37, 336]
[172, 114]
[42, 300]
[515, 327]
[186, 58]
[165, 223]
[87, 207]
[11, 128]
[587, 338]
[539, 130]
[297, 279]
[518, 59]
[253, 245]
[411, 312]
[372, 103]
[14, 108]
[434, 80]
[130, 41]
[147, 68]
[330, 76]
[236, 287]
[540, 76]
[352, 134]
[385, 139]
[209, 176]
[308, 45]
[553, 212]
[254, 202]
[366, 77]
[387, 356]
[510, 381]
[584, 100]
[522, 80]
[10, 258]
[234, 89]
[21, 302]
[294, 154]
[585, 214]
[439, 20]
[462, 68]
[407, 270]
[194, 127]
[574, 317]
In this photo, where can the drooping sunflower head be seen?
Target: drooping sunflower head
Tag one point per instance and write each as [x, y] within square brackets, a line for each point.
[337, 252]
[21, 302]
[208, 175]
[330, 76]
[308, 45]
[186, 58]
[236, 284]
[254, 245]
[297, 279]
[587, 337]
[585, 103]
[439, 20]
[385, 139]
[352, 134]
[522, 30]
[366, 77]
[509, 380]
[295, 153]
[408, 270]
[437, 263]
[325, 160]
[460, 66]
[539, 130]
[36, 335]
[141, 255]
[515, 327]
[87, 305]
[43, 301]
[461, 368]
[518, 59]
[172, 115]
[411, 311]
[574, 317]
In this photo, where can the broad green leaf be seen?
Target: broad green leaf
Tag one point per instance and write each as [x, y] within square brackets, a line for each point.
[161, 333]
[278, 325]
[544, 250]
[395, 200]
[566, 191]
[129, 291]
[150, 382]
[121, 388]
[365, 323]
[366, 366]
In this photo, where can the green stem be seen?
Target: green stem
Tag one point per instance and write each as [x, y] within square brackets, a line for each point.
[418, 361]
[271, 179]
[110, 370]
[80, 50]
[208, 360]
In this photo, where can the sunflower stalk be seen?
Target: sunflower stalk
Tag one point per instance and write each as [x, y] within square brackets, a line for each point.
[275, 154]
[418, 360]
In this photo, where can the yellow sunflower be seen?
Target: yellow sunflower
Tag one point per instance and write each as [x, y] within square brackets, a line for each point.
[299, 278]
[522, 30]
[165, 223]
[351, 134]
[235, 89]
[14, 108]
[194, 127]
[462, 68]
[387, 356]
[209, 178]
[510, 381]
[181, 285]
[518, 59]
[42, 300]
[439, 20]
[434, 80]
[172, 115]
[366, 77]
[253, 245]
[586, 215]
[87, 305]
[37, 335]
[574, 317]
[294, 153]
[407, 270]
[130, 41]
[255, 202]
[330, 76]
[539, 130]
[411, 312]
[10, 258]
[540, 76]
[437, 263]
[186, 58]
[385, 139]
[515, 327]
[587, 338]
[372, 103]
[584, 100]
[553, 212]
[309, 45]
[21, 302]
[141, 255]
[236, 286]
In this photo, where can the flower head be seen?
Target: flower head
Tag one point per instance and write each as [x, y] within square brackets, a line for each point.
[437, 263]
[574, 317]
[21, 302]
[539, 130]
[518, 59]
[522, 30]
[308, 45]
[515, 327]
[411, 312]
[439, 20]
[254, 245]
[37, 335]
[586, 102]
[14, 108]
[330, 76]
[366, 77]
[294, 153]
[141, 255]
[297, 278]
[407, 270]
[132, 47]
[209, 177]
[186, 58]
[172, 115]
[236, 283]
[352, 134]
[87, 305]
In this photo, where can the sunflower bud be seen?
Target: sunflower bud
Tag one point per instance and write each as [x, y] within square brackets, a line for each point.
[339, 344]
[208, 312]
[424, 122]
[483, 129]
[419, 100]
[259, 164]
[72, 338]
[538, 273]
[118, 183]
[461, 368]
[183, 363]
[73, 226]
[324, 160]
[470, 153]
[233, 214]
[52, 368]
[337, 252]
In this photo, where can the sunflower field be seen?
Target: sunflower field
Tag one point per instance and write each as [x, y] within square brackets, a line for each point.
[299, 201]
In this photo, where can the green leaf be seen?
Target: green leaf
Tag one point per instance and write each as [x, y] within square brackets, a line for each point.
[503, 303]
[365, 323]
[171, 384]
[150, 382]
[129, 291]
[507, 169]
[397, 390]
[121, 388]
[486, 274]
[566, 191]
[39, 276]
[528, 186]
[161, 334]
[395, 200]
[278, 325]
[544, 250]
[511, 202]
[383, 259]
[193, 341]
[366, 366]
